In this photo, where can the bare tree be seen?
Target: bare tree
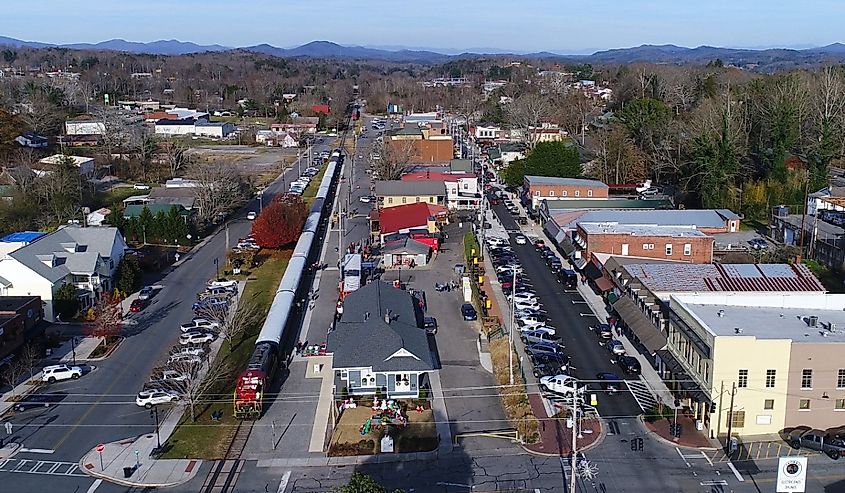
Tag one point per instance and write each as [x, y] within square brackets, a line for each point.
[221, 188]
[618, 160]
[232, 325]
[393, 159]
[176, 154]
[572, 111]
[527, 112]
[194, 380]
[12, 374]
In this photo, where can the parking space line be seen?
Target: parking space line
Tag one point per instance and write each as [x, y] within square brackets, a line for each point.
[706, 458]
[736, 473]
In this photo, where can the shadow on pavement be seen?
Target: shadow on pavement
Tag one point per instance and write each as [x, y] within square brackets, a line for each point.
[451, 472]
[149, 319]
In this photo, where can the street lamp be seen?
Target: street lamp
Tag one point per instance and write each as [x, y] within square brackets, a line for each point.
[154, 413]
[216, 268]
[73, 348]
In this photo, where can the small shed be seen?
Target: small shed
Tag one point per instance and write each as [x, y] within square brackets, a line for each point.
[98, 217]
[405, 252]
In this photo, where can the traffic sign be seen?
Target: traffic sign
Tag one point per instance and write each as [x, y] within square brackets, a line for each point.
[100, 447]
[792, 474]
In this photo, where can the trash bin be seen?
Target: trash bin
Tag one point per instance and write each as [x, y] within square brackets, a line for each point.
[127, 471]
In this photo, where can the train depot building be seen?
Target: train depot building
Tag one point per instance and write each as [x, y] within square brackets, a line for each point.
[378, 343]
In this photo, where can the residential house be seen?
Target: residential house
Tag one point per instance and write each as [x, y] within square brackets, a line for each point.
[33, 140]
[462, 192]
[535, 189]
[18, 315]
[378, 343]
[504, 154]
[826, 239]
[183, 197]
[87, 258]
[487, 132]
[47, 164]
[396, 192]
[98, 217]
[301, 126]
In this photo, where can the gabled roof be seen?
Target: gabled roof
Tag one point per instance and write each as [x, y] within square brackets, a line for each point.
[393, 219]
[405, 246]
[87, 244]
[409, 189]
[362, 338]
[155, 208]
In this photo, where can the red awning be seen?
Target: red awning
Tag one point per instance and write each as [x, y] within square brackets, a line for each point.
[603, 284]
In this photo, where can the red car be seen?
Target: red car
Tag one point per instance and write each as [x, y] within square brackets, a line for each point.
[138, 305]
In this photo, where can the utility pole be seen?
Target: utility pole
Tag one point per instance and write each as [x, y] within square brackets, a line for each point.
[574, 464]
[513, 322]
[731, 416]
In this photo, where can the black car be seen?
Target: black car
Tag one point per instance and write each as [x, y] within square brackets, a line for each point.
[629, 365]
[468, 312]
[610, 382]
[604, 331]
[39, 401]
[430, 325]
[568, 278]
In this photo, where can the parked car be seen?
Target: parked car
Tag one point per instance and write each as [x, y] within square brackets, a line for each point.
[192, 359]
[562, 385]
[219, 292]
[430, 325]
[616, 347]
[138, 305]
[196, 338]
[199, 323]
[192, 350]
[33, 401]
[535, 336]
[821, 441]
[174, 376]
[527, 304]
[539, 244]
[141, 186]
[568, 278]
[146, 293]
[629, 365]
[55, 373]
[210, 304]
[758, 244]
[603, 331]
[366, 199]
[609, 382]
[532, 322]
[468, 312]
[520, 239]
[152, 397]
[543, 348]
[251, 215]
[222, 283]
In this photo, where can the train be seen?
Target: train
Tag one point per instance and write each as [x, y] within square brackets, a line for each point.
[268, 354]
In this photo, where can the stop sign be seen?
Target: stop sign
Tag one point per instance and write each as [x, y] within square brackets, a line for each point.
[100, 447]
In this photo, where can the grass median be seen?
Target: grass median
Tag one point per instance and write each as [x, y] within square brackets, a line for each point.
[206, 438]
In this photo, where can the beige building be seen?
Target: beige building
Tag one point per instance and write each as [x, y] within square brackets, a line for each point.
[758, 363]
[396, 192]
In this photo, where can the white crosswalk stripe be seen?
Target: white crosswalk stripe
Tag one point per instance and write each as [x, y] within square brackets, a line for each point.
[45, 467]
[642, 394]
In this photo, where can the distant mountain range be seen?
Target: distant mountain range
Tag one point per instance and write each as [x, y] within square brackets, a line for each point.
[772, 58]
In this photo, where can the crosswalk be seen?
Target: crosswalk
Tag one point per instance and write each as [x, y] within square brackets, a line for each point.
[642, 394]
[45, 467]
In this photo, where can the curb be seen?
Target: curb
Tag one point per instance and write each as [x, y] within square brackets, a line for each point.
[671, 442]
[120, 481]
[599, 440]
[108, 354]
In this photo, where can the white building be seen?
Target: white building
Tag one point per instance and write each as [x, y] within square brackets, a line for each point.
[84, 127]
[85, 164]
[98, 217]
[87, 258]
[215, 130]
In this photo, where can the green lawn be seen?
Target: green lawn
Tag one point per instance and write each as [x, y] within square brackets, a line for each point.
[205, 438]
[313, 187]
[115, 197]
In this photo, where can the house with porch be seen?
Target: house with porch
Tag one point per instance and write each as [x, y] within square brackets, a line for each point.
[87, 258]
[378, 343]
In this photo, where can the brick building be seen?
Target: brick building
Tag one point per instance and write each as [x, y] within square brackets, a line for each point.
[18, 314]
[539, 188]
[685, 244]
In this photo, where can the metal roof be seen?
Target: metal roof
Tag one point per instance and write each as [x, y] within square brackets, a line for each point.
[611, 203]
[676, 278]
[409, 188]
[552, 180]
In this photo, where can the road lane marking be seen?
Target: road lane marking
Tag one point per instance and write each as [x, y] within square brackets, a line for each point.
[707, 458]
[682, 457]
[94, 486]
[37, 450]
[283, 484]
[736, 473]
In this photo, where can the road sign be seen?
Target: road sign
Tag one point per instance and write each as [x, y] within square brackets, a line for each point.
[792, 474]
[100, 447]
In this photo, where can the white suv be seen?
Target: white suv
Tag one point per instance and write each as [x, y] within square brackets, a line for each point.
[60, 372]
[152, 397]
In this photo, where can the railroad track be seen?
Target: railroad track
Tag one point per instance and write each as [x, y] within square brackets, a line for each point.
[238, 444]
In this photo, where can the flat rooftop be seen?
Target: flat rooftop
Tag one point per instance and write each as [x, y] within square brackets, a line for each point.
[640, 230]
[783, 316]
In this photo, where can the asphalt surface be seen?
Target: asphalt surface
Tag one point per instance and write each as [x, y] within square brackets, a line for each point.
[572, 317]
[100, 407]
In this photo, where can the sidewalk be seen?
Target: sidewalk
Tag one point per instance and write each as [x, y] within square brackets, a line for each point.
[690, 437]
[132, 457]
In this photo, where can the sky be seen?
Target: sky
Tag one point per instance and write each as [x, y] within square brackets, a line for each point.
[561, 26]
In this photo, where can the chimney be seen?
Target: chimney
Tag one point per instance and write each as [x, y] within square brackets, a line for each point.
[737, 330]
